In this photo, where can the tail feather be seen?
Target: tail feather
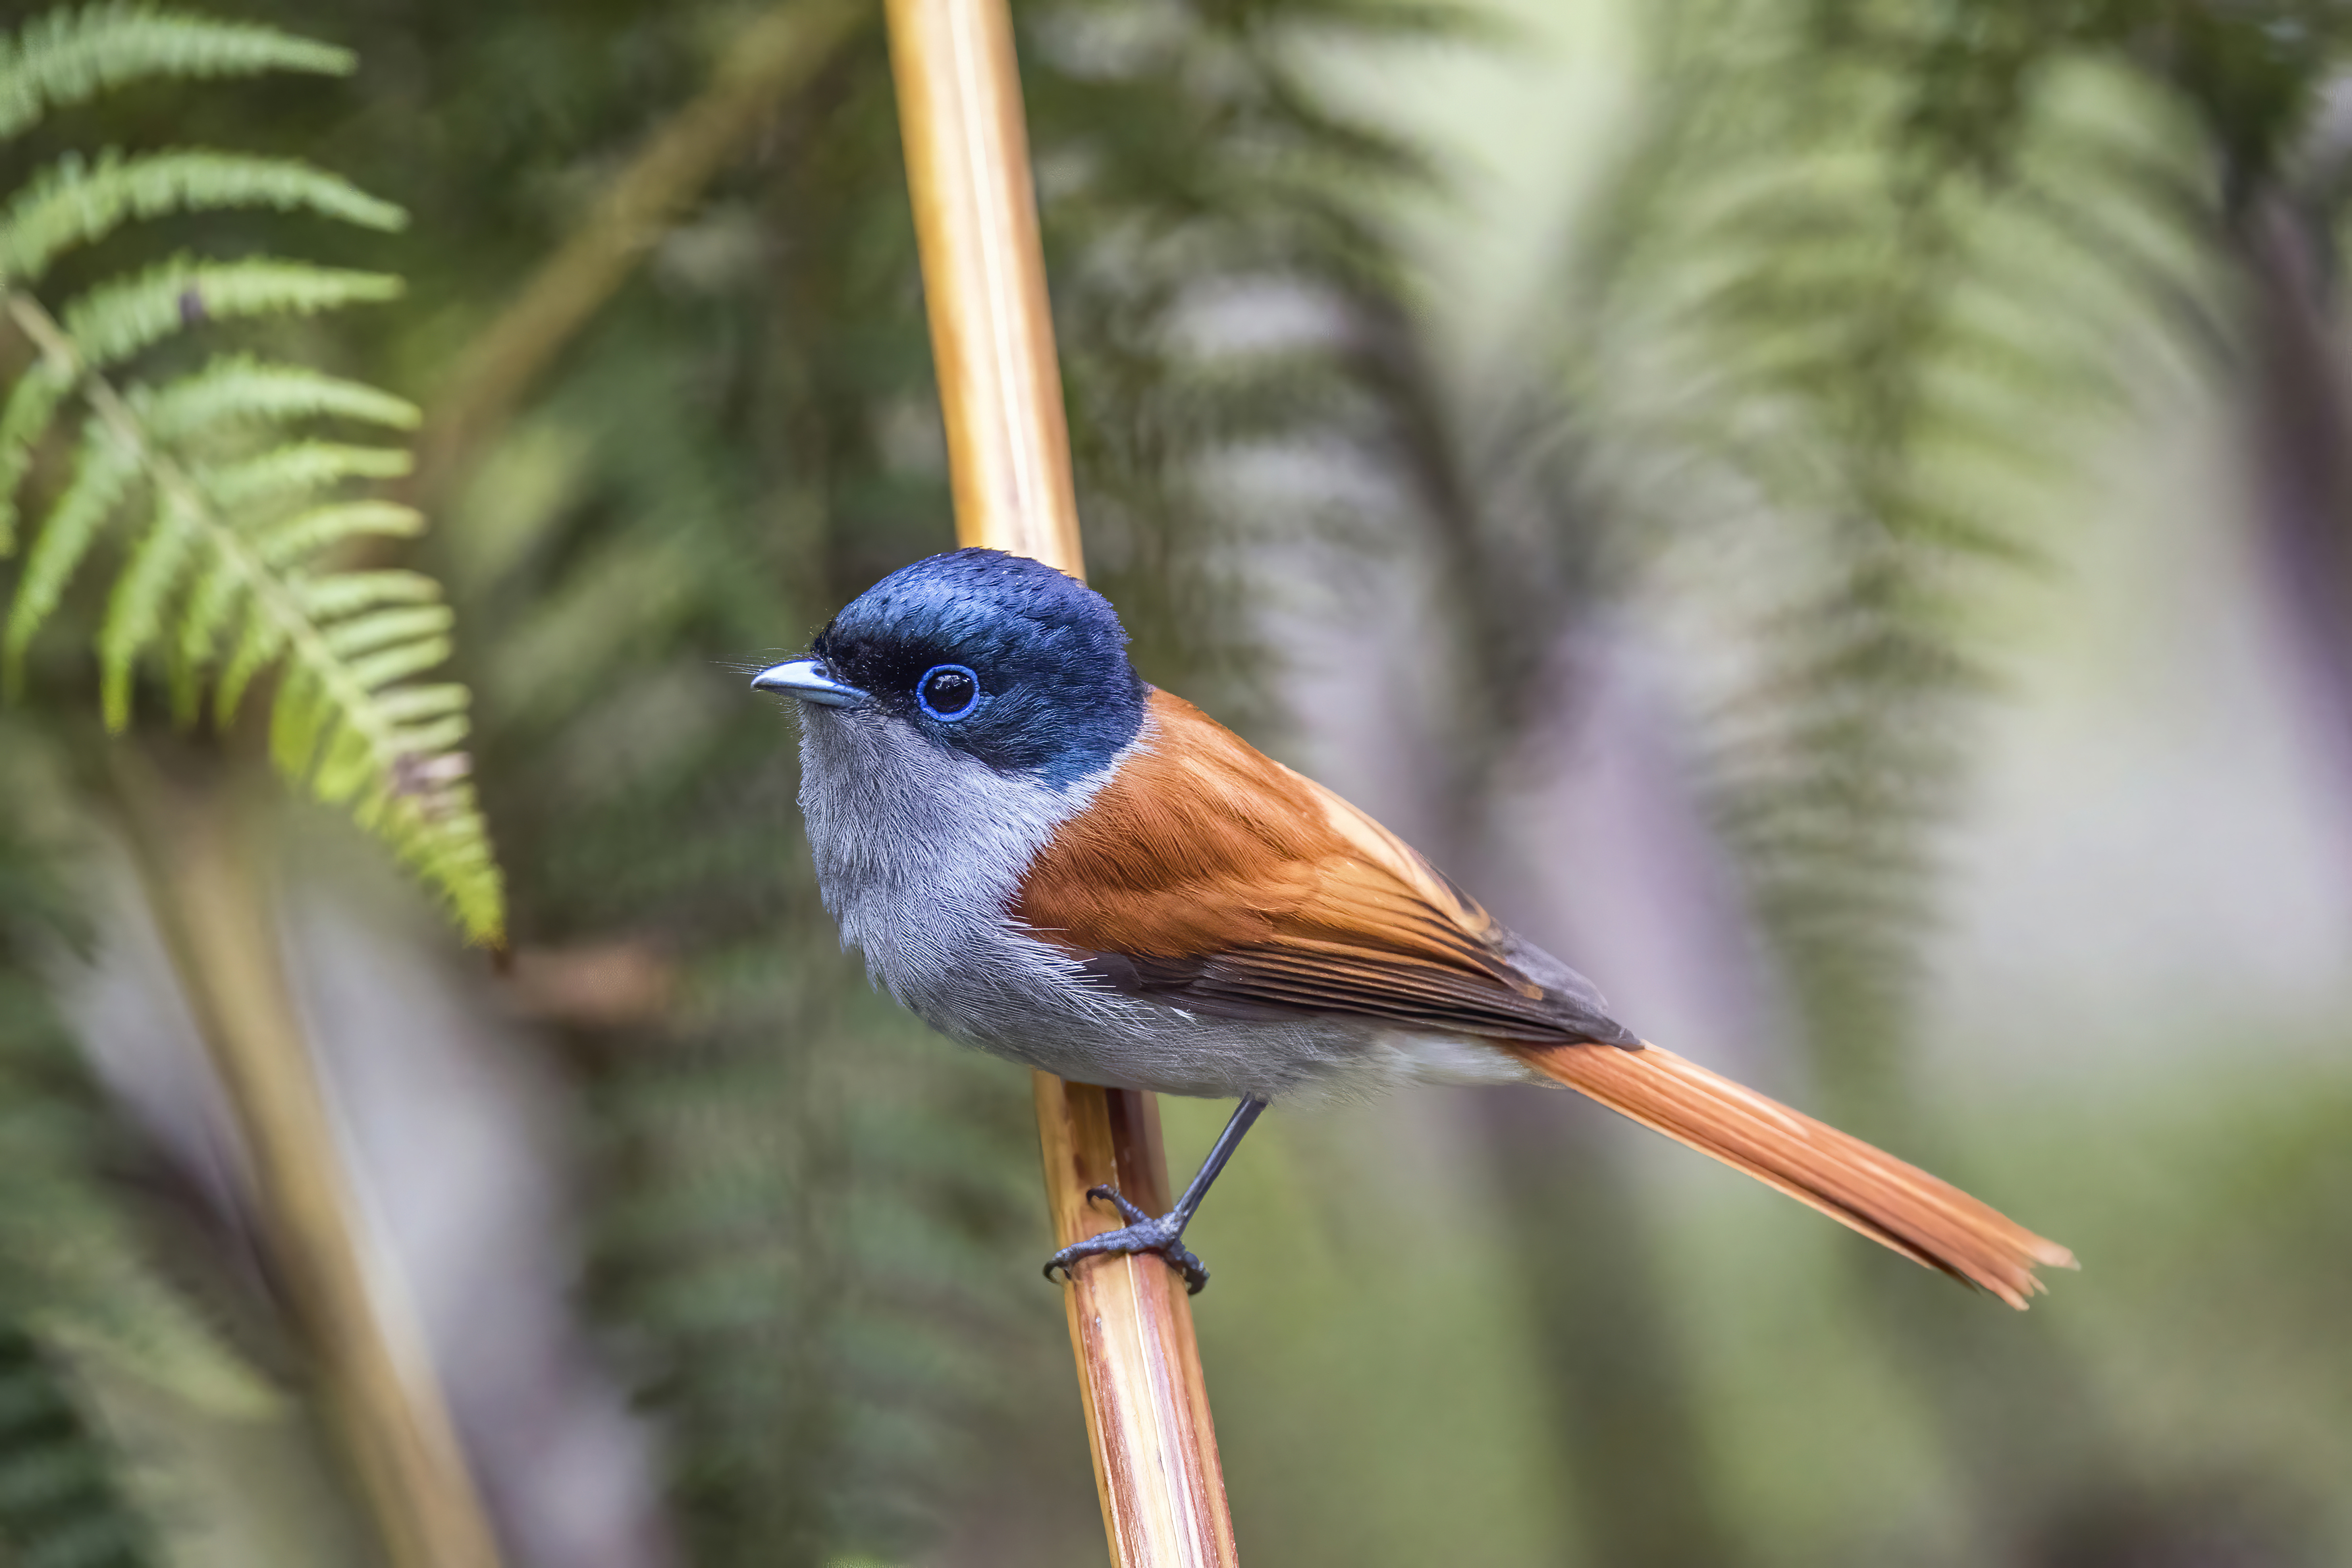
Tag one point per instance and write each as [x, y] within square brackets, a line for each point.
[1900, 1205]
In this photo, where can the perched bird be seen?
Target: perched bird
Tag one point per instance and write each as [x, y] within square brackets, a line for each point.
[1050, 859]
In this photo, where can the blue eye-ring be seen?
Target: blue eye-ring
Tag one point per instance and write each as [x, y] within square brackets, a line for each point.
[948, 690]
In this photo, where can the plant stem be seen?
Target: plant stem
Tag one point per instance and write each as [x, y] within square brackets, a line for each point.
[377, 1378]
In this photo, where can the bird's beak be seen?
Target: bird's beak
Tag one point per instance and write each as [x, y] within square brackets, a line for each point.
[807, 679]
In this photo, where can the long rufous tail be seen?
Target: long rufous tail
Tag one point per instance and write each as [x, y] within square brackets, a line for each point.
[1901, 1206]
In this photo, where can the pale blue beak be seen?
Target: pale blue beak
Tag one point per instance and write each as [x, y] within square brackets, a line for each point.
[807, 679]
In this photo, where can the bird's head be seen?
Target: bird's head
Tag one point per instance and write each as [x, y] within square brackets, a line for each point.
[998, 656]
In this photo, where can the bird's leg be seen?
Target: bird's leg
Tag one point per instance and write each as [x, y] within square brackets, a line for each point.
[1163, 1235]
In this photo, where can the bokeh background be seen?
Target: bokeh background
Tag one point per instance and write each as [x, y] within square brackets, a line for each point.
[1834, 516]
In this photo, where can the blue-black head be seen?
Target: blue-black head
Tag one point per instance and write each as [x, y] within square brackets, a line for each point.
[993, 654]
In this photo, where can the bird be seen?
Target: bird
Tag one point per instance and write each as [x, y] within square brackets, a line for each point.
[1045, 857]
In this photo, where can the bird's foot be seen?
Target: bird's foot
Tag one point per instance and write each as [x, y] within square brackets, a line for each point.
[1161, 1236]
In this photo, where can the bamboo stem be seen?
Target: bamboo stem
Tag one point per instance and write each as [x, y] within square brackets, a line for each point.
[1147, 1404]
[380, 1387]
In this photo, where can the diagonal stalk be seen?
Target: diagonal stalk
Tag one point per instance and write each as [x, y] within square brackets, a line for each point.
[373, 1369]
[773, 57]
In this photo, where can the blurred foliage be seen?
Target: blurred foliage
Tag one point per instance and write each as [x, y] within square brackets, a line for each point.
[1878, 279]
[1874, 290]
[1873, 284]
[75, 1276]
[58, 1503]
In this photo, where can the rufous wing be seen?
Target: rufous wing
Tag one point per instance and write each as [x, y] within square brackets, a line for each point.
[1206, 875]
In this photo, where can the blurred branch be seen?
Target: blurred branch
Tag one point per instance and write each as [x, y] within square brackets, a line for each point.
[376, 1375]
[770, 60]
[596, 985]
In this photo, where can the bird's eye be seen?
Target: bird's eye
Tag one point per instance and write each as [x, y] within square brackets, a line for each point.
[948, 692]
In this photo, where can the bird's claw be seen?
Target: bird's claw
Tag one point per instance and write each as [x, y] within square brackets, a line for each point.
[1161, 1236]
[1127, 1211]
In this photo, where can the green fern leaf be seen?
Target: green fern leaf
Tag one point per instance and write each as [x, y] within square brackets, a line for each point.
[307, 533]
[297, 721]
[240, 389]
[434, 738]
[74, 204]
[67, 56]
[77, 1288]
[104, 474]
[364, 634]
[413, 705]
[345, 768]
[32, 404]
[117, 318]
[261, 642]
[136, 615]
[218, 592]
[349, 593]
[297, 469]
[376, 670]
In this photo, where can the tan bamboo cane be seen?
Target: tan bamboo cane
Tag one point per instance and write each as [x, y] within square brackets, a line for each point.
[1146, 1407]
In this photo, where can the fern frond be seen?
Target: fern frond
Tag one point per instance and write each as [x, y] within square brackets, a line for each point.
[330, 727]
[241, 389]
[117, 318]
[298, 468]
[307, 533]
[349, 593]
[32, 405]
[370, 672]
[73, 203]
[239, 519]
[219, 590]
[217, 554]
[106, 470]
[364, 634]
[134, 617]
[67, 56]
[416, 705]
[257, 646]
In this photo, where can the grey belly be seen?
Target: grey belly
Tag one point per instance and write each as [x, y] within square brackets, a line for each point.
[1053, 1015]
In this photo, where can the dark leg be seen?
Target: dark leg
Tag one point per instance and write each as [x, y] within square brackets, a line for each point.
[1164, 1234]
